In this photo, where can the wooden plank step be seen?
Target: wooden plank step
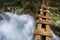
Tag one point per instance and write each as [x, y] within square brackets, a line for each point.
[40, 32]
[41, 16]
[43, 22]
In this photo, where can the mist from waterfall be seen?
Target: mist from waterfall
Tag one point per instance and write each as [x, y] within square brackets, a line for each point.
[18, 27]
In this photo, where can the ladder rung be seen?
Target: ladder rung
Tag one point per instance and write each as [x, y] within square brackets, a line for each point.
[40, 32]
[43, 22]
[41, 16]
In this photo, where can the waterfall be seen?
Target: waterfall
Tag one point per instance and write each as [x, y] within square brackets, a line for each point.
[16, 27]
[55, 37]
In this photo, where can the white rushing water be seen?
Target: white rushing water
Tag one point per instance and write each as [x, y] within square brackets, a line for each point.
[55, 37]
[15, 27]
[18, 27]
